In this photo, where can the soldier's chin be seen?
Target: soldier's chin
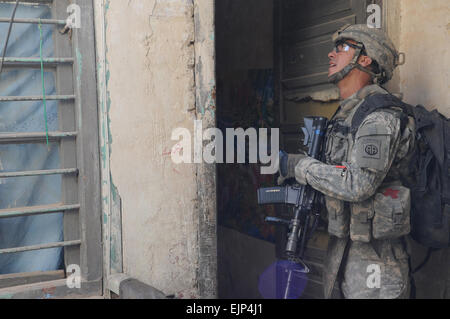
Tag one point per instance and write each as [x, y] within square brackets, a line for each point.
[332, 70]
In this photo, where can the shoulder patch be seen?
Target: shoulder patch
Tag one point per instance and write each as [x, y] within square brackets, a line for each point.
[372, 148]
[372, 152]
[373, 141]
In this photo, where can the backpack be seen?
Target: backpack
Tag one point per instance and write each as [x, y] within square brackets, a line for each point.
[429, 165]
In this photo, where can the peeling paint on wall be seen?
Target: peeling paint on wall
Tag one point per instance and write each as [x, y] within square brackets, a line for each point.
[111, 202]
[144, 99]
[425, 76]
[206, 276]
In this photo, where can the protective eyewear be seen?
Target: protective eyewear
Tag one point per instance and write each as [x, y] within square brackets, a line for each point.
[343, 46]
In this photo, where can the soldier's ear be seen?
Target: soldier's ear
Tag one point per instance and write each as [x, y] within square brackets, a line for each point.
[365, 60]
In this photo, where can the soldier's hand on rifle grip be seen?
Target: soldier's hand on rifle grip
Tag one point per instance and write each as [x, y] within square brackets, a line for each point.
[287, 165]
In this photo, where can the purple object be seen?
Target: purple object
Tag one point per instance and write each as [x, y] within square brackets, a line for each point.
[273, 282]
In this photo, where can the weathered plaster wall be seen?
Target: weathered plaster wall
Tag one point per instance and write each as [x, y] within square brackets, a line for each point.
[421, 29]
[425, 79]
[391, 23]
[425, 38]
[205, 88]
[150, 87]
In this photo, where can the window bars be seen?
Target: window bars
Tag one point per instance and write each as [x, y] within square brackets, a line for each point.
[77, 137]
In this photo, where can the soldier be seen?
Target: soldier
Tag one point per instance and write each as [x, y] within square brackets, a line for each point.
[368, 208]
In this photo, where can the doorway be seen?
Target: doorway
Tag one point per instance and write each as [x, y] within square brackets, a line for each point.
[271, 64]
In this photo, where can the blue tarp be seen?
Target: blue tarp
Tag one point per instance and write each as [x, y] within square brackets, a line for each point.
[28, 117]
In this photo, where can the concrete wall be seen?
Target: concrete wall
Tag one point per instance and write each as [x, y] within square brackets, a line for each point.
[150, 89]
[425, 38]
[425, 79]
[421, 29]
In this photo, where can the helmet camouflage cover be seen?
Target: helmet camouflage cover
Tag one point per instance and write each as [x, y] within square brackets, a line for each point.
[377, 45]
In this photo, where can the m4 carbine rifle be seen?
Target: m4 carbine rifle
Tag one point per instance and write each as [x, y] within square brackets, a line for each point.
[305, 200]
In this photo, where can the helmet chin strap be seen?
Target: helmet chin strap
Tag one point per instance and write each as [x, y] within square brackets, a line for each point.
[376, 77]
[339, 76]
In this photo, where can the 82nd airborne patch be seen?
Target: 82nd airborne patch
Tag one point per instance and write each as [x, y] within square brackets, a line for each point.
[371, 148]
[372, 152]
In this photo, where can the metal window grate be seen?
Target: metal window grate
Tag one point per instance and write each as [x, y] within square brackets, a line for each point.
[37, 210]
[18, 138]
[24, 137]
[36, 21]
[77, 138]
[38, 247]
[36, 98]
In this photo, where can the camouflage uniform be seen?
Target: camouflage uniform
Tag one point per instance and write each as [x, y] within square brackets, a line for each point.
[368, 209]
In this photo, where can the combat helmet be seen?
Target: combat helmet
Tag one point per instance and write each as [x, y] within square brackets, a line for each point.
[377, 45]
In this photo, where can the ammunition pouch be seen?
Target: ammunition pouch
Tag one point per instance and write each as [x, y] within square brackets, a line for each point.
[392, 207]
[384, 216]
[361, 220]
[338, 217]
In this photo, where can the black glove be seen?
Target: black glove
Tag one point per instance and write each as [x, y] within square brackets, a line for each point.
[288, 162]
